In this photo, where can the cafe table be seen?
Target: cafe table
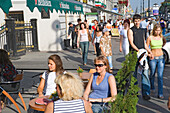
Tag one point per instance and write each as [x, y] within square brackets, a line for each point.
[85, 77]
[35, 106]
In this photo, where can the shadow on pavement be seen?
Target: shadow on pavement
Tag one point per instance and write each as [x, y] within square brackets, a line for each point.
[121, 59]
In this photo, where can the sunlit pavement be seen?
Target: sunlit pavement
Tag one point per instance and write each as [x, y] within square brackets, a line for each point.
[72, 60]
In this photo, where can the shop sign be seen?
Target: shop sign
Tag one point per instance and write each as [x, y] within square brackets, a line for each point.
[77, 8]
[64, 5]
[43, 3]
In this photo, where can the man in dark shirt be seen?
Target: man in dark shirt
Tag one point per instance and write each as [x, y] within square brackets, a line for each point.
[136, 37]
[71, 31]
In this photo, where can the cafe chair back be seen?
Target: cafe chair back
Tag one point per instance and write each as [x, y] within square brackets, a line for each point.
[2, 91]
[13, 87]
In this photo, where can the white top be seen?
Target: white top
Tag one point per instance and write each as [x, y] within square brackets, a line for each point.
[143, 24]
[84, 36]
[97, 39]
[72, 106]
[51, 85]
[125, 41]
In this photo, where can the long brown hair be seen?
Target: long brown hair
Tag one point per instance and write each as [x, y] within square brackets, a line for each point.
[4, 58]
[105, 61]
[156, 26]
[59, 65]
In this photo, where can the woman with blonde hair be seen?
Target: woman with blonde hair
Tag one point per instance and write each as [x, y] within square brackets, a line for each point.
[156, 42]
[103, 85]
[47, 85]
[70, 90]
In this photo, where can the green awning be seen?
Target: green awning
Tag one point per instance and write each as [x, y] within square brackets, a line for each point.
[54, 4]
[5, 5]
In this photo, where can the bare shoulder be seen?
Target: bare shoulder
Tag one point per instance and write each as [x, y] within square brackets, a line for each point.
[111, 77]
[150, 37]
[130, 32]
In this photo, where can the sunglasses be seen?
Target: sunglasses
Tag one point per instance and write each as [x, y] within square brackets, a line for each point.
[99, 65]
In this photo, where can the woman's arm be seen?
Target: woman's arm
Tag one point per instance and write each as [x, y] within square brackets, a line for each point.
[88, 88]
[164, 41]
[101, 47]
[87, 107]
[41, 87]
[94, 37]
[120, 45]
[113, 89]
[147, 44]
[148, 41]
[49, 108]
[78, 39]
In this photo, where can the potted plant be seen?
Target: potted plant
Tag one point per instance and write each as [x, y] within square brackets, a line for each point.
[80, 71]
[54, 96]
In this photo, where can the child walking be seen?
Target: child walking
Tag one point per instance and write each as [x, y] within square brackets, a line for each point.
[106, 46]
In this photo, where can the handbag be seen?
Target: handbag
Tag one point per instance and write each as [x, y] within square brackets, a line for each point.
[89, 36]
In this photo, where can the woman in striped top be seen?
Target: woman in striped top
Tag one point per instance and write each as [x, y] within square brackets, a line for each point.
[70, 91]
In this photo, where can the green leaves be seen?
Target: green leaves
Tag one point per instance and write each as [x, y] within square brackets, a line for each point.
[127, 99]
[80, 70]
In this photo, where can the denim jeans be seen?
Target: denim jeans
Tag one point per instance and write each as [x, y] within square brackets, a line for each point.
[110, 61]
[158, 62]
[145, 80]
[98, 108]
[85, 48]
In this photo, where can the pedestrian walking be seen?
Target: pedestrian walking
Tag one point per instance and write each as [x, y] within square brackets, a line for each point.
[71, 31]
[87, 24]
[93, 33]
[96, 39]
[144, 25]
[120, 27]
[84, 42]
[156, 41]
[77, 28]
[109, 26]
[136, 37]
[124, 43]
[150, 26]
[106, 46]
[163, 25]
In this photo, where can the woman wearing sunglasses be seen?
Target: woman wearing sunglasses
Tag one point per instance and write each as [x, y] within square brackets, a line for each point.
[103, 85]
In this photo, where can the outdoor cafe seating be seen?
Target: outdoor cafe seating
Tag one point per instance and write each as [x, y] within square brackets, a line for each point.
[41, 107]
[13, 87]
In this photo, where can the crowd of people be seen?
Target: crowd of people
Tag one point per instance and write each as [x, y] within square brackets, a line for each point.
[139, 35]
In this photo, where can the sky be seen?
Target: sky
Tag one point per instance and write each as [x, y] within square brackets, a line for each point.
[136, 3]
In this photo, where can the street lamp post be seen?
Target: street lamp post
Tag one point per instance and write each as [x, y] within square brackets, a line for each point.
[148, 8]
[166, 11]
[143, 9]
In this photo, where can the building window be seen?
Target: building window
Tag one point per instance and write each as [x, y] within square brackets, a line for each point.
[44, 14]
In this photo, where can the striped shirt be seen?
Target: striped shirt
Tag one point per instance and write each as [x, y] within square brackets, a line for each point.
[73, 106]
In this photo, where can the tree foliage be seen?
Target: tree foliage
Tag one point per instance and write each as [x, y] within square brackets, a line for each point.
[127, 99]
